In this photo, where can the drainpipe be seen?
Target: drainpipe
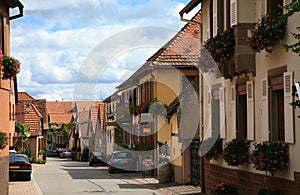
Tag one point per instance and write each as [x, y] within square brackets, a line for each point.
[200, 98]
[21, 7]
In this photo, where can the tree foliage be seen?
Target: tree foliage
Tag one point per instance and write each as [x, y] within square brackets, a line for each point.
[22, 128]
[292, 8]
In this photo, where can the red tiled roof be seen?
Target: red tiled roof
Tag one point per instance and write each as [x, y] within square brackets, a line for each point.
[24, 96]
[177, 60]
[61, 118]
[33, 118]
[94, 116]
[181, 51]
[85, 106]
[60, 112]
[83, 118]
[59, 107]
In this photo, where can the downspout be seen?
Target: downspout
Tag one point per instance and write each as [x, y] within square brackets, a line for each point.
[21, 7]
[200, 99]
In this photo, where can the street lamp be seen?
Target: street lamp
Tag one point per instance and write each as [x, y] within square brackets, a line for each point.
[27, 108]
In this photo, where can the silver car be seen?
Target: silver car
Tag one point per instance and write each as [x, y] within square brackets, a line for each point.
[121, 161]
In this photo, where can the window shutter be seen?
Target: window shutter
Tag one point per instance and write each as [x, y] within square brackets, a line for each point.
[209, 128]
[263, 7]
[233, 111]
[208, 28]
[286, 2]
[222, 113]
[250, 110]
[225, 14]
[288, 109]
[215, 18]
[233, 12]
[264, 110]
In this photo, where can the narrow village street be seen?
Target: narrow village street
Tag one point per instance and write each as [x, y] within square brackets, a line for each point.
[63, 176]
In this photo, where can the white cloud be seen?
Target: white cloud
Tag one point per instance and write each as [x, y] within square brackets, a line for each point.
[54, 41]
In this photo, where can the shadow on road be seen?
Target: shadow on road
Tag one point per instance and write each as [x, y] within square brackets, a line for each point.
[87, 174]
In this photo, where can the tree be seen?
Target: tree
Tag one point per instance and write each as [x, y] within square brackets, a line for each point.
[291, 8]
[23, 131]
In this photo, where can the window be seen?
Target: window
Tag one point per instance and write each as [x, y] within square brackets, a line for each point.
[218, 16]
[215, 110]
[226, 14]
[276, 109]
[241, 112]
[273, 10]
[277, 122]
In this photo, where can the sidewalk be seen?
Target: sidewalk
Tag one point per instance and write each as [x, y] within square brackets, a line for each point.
[168, 188]
[22, 188]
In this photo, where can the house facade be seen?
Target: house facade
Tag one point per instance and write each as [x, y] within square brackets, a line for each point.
[83, 139]
[59, 113]
[247, 94]
[33, 113]
[110, 106]
[8, 89]
[142, 101]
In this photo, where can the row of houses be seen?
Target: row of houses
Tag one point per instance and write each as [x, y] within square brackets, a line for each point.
[178, 100]
[8, 89]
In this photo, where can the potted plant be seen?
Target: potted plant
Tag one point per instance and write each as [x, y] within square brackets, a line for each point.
[236, 152]
[9, 66]
[3, 140]
[223, 188]
[267, 33]
[270, 157]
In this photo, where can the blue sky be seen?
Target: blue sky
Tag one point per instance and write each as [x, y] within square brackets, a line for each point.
[90, 45]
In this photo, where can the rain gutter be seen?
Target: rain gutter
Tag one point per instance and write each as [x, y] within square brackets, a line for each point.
[186, 10]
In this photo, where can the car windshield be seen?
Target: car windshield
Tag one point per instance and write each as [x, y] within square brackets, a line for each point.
[17, 158]
[97, 154]
[122, 155]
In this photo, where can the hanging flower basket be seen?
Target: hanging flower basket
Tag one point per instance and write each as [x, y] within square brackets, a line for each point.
[10, 66]
[267, 33]
[3, 140]
[221, 46]
[270, 157]
[236, 152]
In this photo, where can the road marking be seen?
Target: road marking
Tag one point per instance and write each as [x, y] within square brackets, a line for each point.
[37, 187]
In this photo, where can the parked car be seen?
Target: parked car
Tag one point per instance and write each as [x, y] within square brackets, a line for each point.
[51, 153]
[19, 167]
[121, 161]
[65, 154]
[97, 158]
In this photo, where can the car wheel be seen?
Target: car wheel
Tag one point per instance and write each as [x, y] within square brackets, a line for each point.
[91, 164]
[110, 170]
[29, 178]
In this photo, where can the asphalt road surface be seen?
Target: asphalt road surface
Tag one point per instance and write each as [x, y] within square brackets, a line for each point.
[64, 176]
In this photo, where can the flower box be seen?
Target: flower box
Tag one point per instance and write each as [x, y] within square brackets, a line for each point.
[236, 152]
[220, 49]
[267, 33]
[10, 66]
[270, 157]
